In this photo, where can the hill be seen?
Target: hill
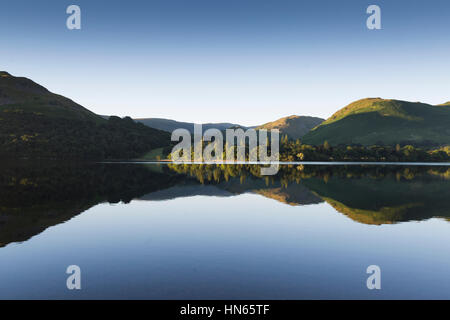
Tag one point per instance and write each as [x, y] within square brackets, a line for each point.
[170, 125]
[294, 127]
[22, 94]
[36, 123]
[384, 122]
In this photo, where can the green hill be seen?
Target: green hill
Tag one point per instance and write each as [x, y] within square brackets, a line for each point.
[294, 127]
[18, 94]
[384, 122]
[35, 123]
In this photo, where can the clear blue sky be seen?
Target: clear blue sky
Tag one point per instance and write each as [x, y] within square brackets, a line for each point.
[243, 61]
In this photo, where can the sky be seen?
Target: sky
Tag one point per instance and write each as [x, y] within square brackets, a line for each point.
[239, 61]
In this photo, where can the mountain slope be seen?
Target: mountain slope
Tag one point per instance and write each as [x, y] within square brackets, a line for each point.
[170, 125]
[384, 122]
[18, 93]
[294, 127]
[35, 123]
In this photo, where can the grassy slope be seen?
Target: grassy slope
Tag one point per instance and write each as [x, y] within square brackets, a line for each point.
[37, 123]
[18, 94]
[379, 121]
[294, 126]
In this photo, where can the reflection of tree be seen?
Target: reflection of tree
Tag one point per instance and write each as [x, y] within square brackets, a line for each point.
[403, 196]
[35, 197]
[296, 173]
[368, 194]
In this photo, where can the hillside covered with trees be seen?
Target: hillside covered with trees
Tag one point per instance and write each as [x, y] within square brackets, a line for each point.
[35, 123]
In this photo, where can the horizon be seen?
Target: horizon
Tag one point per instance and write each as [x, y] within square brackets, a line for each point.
[232, 121]
[256, 61]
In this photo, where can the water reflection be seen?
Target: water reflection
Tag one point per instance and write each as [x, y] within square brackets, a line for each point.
[367, 194]
[35, 197]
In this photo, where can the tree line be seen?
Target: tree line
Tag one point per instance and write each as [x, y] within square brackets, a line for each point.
[30, 135]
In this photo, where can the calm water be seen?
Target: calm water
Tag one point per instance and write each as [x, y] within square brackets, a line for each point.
[206, 232]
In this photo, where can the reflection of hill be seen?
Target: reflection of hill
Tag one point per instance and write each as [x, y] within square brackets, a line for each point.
[293, 194]
[371, 195]
[387, 200]
[186, 190]
[20, 224]
[367, 194]
[33, 198]
[384, 215]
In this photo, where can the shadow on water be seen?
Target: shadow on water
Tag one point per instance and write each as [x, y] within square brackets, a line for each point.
[36, 196]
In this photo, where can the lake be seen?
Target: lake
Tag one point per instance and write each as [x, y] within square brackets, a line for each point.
[166, 231]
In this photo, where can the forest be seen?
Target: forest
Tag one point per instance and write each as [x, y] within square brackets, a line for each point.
[30, 135]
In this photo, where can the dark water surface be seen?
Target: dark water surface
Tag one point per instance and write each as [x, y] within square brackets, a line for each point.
[208, 232]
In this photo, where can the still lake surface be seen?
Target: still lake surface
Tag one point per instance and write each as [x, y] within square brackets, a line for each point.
[165, 231]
